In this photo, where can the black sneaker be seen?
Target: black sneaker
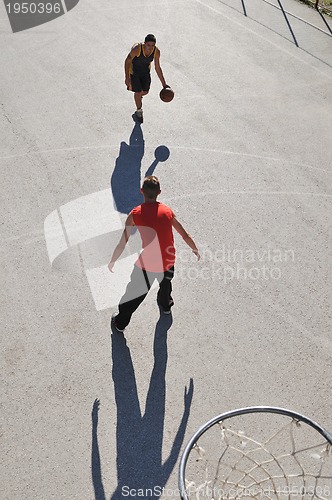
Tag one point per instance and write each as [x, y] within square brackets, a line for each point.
[113, 323]
[168, 311]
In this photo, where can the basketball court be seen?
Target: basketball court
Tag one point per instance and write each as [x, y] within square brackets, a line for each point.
[243, 154]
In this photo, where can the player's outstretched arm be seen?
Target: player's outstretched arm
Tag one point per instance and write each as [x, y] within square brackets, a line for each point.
[158, 69]
[122, 243]
[186, 236]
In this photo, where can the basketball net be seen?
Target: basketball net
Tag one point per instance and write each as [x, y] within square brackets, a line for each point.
[293, 462]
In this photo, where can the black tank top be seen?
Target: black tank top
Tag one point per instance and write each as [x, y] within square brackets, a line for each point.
[142, 64]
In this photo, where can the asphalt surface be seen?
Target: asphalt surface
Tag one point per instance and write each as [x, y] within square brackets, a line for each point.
[243, 154]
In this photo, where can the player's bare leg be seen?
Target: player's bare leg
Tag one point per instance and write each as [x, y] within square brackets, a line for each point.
[138, 101]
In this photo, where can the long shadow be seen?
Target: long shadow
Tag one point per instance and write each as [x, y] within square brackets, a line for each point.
[126, 177]
[140, 436]
[95, 455]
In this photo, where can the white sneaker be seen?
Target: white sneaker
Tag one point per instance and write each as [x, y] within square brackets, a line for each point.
[139, 114]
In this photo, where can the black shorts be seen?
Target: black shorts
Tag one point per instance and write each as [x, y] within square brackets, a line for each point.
[140, 83]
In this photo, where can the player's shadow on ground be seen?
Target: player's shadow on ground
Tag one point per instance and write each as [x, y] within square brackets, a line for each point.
[126, 177]
[140, 436]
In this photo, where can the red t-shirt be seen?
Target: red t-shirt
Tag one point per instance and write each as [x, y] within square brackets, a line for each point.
[154, 222]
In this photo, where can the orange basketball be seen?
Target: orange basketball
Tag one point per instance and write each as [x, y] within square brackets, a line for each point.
[166, 94]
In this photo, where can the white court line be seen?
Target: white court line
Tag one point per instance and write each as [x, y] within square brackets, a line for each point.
[57, 150]
[57, 239]
[251, 155]
[243, 26]
[190, 148]
[209, 193]
[52, 230]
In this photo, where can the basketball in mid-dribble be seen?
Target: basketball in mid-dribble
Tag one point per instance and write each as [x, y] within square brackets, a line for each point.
[166, 94]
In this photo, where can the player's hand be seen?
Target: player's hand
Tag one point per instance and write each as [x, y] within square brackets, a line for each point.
[166, 86]
[128, 83]
[110, 266]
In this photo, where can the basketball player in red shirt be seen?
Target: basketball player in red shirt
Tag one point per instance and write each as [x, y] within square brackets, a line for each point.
[155, 222]
[137, 70]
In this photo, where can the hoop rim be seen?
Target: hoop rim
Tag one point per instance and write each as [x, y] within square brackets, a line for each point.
[234, 413]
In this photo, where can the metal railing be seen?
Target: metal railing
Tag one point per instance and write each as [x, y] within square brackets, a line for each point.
[316, 4]
[321, 8]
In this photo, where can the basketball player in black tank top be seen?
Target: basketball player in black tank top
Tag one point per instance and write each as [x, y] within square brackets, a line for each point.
[137, 70]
